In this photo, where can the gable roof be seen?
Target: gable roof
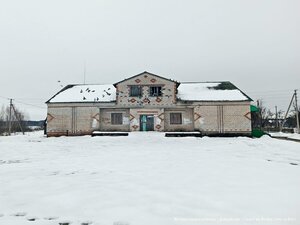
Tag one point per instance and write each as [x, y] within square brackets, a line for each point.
[187, 91]
[152, 74]
[210, 91]
[85, 93]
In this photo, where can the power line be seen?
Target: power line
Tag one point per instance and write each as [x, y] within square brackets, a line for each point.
[42, 99]
[17, 116]
[271, 91]
[30, 104]
[24, 103]
[5, 97]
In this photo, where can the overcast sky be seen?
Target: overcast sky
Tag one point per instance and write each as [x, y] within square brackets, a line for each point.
[254, 44]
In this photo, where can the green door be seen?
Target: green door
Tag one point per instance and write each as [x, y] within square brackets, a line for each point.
[146, 123]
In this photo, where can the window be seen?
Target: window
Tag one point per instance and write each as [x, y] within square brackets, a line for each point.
[116, 119]
[155, 91]
[135, 91]
[175, 118]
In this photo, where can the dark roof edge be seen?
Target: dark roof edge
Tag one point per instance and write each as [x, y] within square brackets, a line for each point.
[63, 89]
[79, 102]
[181, 100]
[249, 99]
[203, 82]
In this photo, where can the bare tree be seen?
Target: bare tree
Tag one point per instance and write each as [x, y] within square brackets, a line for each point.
[16, 117]
[265, 117]
[2, 120]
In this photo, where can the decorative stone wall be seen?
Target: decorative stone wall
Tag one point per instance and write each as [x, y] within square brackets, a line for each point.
[87, 119]
[187, 120]
[105, 120]
[223, 118]
[135, 118]
[237, 119]
[59, 120]
[208, 117]
[146, 80]
[72, 120]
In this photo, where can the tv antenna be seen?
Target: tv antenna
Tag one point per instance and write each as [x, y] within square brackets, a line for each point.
[84, 72]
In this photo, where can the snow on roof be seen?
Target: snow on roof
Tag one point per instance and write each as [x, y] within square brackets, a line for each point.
[86, 93]
[209, 91]
[205, 91]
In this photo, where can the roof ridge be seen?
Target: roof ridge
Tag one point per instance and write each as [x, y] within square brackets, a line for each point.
[89, 84]
[202, 82]
[146, 72]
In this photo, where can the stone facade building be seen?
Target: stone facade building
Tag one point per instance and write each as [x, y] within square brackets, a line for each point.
[148, 102]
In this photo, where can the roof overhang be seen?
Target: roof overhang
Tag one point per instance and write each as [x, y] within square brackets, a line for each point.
[152, 74]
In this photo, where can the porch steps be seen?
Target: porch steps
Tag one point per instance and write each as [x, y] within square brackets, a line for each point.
[183, 134]
[109, 133]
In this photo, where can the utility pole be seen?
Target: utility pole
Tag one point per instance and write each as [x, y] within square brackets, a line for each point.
[287, 112]
[9, 118]
[276, 117]
[297, 112]
[17, 116]
[84, 72]
[260, 114]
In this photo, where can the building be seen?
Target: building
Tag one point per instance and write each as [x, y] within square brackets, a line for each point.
[148, 102]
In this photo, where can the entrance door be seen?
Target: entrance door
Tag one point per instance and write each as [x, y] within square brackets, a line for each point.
[146, 123]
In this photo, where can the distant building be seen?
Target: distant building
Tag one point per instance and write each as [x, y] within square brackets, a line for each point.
[148, 102]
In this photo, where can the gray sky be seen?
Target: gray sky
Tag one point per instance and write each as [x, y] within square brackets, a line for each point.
[254, 44]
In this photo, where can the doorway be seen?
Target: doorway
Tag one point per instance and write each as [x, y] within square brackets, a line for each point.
[146, 123]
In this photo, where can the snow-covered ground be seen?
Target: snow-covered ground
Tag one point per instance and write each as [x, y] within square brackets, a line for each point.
[147, 179]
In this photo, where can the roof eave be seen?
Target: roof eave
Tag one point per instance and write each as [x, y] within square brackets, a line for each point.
[80, 102]
[63, 89]
[245, 100]
[177, 83]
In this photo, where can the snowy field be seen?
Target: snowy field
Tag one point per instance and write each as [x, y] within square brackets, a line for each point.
[147, 179]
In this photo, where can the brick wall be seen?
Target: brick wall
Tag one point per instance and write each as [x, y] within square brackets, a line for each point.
[72, 120]
[105, 120]
[146, 80]
[187, 120]
[223, 118]
[137, 112]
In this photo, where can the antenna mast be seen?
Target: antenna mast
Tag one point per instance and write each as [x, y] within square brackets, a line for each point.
[84, 72]
[297, 112]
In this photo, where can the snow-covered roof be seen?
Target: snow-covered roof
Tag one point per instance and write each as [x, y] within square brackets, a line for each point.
[146, 73]
[205, 91]
[210, 91]
[85, 93]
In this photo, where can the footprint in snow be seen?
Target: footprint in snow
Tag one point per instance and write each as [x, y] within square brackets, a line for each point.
[294, 164]
[1, 215]
[93, 173]
[65, 223]
[32, 219]
[72, 173]
[20, 214]
[86, 223]
[54, 173]
[51, 218]
[120, 223]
